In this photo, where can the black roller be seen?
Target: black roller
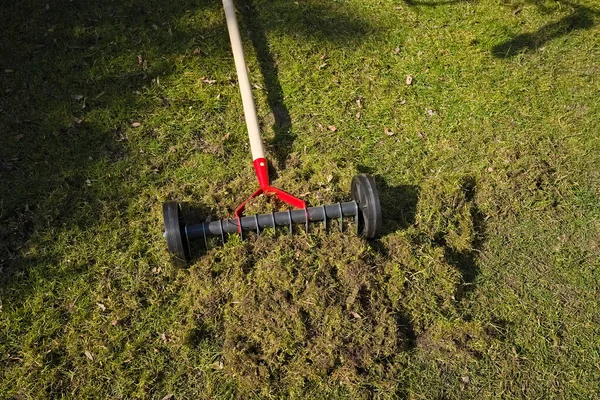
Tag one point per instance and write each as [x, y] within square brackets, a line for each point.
[175, 232]
[364, 192]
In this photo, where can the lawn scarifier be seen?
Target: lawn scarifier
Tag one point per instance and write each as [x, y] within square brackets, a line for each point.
[364, 207]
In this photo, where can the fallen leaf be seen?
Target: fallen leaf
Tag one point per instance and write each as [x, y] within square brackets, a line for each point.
[402, 102]
[356, 315]
[77, 120]
[332, 128]
[396, 51]
[135, 124]
[88, 182]
[209, 81]
[358, 103]
[465, 379]
[409, 79]
[197, 52]
[358, 115]
[226, 136]
[140, 59]
[431, 113]
[101, 306]
[388, 131]
[89, 355]
[164, 337]
[114, 322]
[490, 169]
[329, 178]
[218, 365]
[168, 397]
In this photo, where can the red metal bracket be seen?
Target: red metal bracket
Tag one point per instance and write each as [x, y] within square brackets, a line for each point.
[262, 174]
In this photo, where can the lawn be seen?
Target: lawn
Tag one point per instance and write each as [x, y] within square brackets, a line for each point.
[479, 120]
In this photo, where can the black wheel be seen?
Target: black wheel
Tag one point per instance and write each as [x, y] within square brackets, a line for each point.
[175, 232]
[364, 192]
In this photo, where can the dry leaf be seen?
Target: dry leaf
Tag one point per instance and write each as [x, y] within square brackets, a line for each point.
[358, 115]
[332, 128]
[490, 169]
[77, 120]
[396, 50]
[209, 81]
[388, 131]
[402, 102]
[226, 136]
[89, 355]
[168, 397]
[329, 178]
[164, 337]
[135, 124]
[358, 103]
[101, 306]
[218, 365]
[431, 113]
[409, 79]
[356, 315]
[114, 322]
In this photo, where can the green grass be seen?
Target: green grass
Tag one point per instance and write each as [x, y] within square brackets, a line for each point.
[484, 284]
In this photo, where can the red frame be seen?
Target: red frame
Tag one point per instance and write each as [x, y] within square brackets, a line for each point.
[262, 174]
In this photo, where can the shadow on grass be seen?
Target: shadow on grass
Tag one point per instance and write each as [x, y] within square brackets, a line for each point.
[466, 260]
[398, 203]
[284, 138]
[580, 19]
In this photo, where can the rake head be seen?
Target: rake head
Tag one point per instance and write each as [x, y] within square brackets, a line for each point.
[364, 208]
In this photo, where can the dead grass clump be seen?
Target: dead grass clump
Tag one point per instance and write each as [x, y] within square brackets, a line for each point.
[298, 312]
